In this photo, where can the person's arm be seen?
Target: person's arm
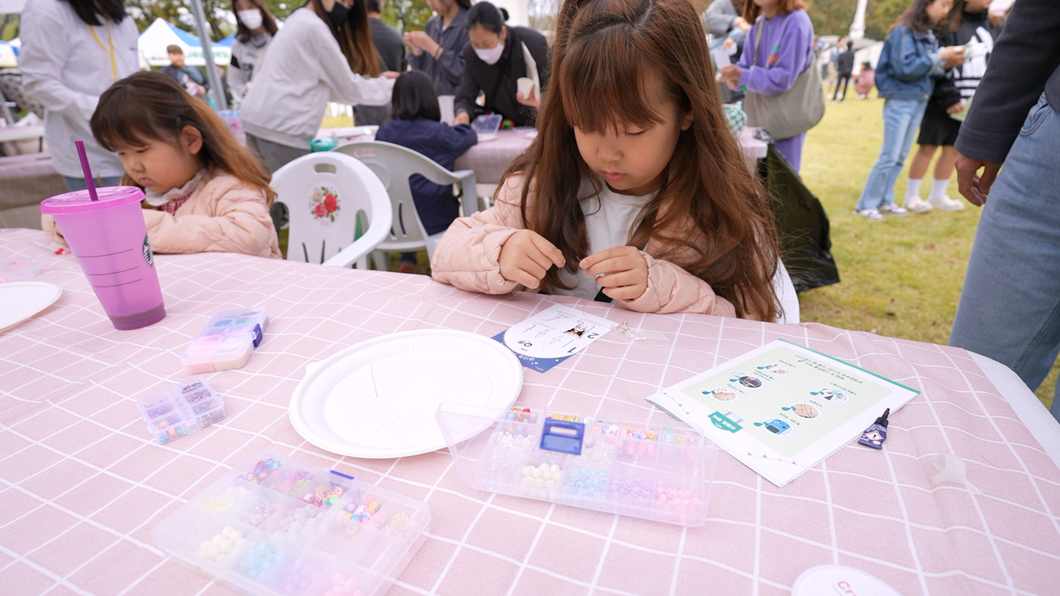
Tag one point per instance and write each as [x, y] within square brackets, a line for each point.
[347, 86]
[241, 223]
[672, 289]
[909, 62]
[1024, 58]
[237, 80]
[459, 139]
[42, 61]
[468, 88]
[468, 256]
[791, 61]
[451, 60]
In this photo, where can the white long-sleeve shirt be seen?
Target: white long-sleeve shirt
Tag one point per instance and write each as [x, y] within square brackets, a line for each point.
[66, 68]
[304, 69]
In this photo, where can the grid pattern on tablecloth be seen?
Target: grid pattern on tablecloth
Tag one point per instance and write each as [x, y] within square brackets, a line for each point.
[81, 483]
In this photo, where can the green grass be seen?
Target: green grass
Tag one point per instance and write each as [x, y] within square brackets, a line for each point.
[901, 277]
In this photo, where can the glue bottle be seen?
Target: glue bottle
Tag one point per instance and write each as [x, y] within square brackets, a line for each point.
[875, 435]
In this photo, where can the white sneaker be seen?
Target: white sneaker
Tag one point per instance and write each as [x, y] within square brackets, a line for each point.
[870, 214]
[892, 209]
[946, 204]
[917, 205]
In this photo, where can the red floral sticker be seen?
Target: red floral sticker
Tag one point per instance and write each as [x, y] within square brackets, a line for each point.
[324, 203]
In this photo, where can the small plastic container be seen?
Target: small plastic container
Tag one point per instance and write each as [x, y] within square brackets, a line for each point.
[276, 526]
[660, 470]
[486, 126]
[226, 342]
[180, 410]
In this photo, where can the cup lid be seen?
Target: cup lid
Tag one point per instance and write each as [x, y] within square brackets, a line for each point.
[79, 201]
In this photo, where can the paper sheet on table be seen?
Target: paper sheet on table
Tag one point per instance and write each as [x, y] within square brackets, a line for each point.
[531, 70]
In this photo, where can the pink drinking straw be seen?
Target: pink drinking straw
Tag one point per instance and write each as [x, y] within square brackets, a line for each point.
[87, 171]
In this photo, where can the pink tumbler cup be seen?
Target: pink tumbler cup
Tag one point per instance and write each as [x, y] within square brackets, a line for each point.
[109, 239]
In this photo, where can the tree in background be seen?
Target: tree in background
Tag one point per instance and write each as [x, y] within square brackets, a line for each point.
[833, 17]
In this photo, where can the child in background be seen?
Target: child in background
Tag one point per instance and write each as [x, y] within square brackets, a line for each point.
[416, 124]
[865, 81]
[952, 94]
[905, 77]
[634, 190]
[204, 191]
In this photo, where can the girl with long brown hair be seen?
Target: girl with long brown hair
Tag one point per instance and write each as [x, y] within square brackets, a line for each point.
[634, 190]
[204, 191]
[324, 52]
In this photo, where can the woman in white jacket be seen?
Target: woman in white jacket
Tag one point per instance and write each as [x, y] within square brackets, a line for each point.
[323, 52]
[72, 51]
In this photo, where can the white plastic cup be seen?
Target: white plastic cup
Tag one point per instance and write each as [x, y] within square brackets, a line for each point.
[525, 86]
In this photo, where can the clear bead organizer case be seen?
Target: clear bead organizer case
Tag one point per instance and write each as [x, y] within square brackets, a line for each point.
[659, 469]
[275, 525]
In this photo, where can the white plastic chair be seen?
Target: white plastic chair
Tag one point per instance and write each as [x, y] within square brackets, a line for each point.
[786, 296]
[324, 192]
[393, 164]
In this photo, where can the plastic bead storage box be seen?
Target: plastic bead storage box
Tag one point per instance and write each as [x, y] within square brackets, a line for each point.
[226, 341]
[659, 471]
[275, 525]
[180, 410]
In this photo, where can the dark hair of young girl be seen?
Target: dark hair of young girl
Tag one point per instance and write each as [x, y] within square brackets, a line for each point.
[89, 11]
[415, 97]
[916, 17]
[150, 106]
[751, 10]
[243, 33]
[608, 60]
[354, 37]
[487, 16]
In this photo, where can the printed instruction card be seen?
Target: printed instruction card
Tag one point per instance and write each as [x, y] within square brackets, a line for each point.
[551, 336]
[782, 408]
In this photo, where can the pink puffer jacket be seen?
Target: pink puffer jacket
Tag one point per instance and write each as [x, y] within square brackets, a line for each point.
[223, 214]
[467, 258]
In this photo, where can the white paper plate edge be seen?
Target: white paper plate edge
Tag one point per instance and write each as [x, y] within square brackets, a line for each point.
[55, 293]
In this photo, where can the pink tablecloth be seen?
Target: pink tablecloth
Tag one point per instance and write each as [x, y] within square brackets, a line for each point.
[81, 484]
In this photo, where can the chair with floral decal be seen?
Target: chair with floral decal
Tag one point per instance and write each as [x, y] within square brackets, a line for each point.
[394, 164]
[326, 193]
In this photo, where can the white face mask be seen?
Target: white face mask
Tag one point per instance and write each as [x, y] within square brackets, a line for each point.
[250, 18]
[492, 55]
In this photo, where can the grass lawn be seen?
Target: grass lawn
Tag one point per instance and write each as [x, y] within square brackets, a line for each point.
[901, 277]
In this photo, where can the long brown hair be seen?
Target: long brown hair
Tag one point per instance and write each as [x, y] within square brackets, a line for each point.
[354, 37]
[752, 10]
[711, 215]
[150, 106]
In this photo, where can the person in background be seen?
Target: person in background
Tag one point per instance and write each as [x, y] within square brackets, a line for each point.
[204, 191]
[438, 50]
[844, 68]
[189, 77]
[952, 93]
[417, 125]
[723, 20]
[324, 52]
[255, 28]
[66, 73]
[634, 191]
[905, 76]
[391, 49]
[494, 60]
[865, 81]
[1011, 296]
[784, 39]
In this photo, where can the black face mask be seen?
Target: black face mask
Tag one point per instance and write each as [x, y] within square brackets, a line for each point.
[338, 14]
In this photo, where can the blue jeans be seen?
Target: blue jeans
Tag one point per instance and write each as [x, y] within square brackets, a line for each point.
[73, 183]
[901, 120]
[1010, 306]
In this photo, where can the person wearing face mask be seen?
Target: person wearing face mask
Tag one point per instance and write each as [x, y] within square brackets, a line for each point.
[255, 28]
[494, 60]
[324, 52]
[438, 50]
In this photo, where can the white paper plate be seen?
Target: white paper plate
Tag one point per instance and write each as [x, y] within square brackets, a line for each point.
[21, 300]
[378, 399]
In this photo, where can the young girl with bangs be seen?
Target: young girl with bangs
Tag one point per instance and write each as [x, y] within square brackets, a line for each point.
[204, 191]
[634, 190]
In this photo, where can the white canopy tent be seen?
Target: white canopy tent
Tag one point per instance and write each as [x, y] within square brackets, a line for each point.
[160, 34]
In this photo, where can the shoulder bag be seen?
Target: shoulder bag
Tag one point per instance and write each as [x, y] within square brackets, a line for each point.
[790, 112]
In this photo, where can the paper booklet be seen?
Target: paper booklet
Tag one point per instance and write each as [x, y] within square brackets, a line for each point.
[782, 408]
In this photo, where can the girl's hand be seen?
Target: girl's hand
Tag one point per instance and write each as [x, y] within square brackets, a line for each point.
[462, 118]
[952, 56]
[956, 108]
[418, 41]
[621, 271]
[528, 100]
[730, 75]
[742, 24]
[526, 256]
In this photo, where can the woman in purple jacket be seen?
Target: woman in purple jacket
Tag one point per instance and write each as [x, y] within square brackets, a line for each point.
[784, 52]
